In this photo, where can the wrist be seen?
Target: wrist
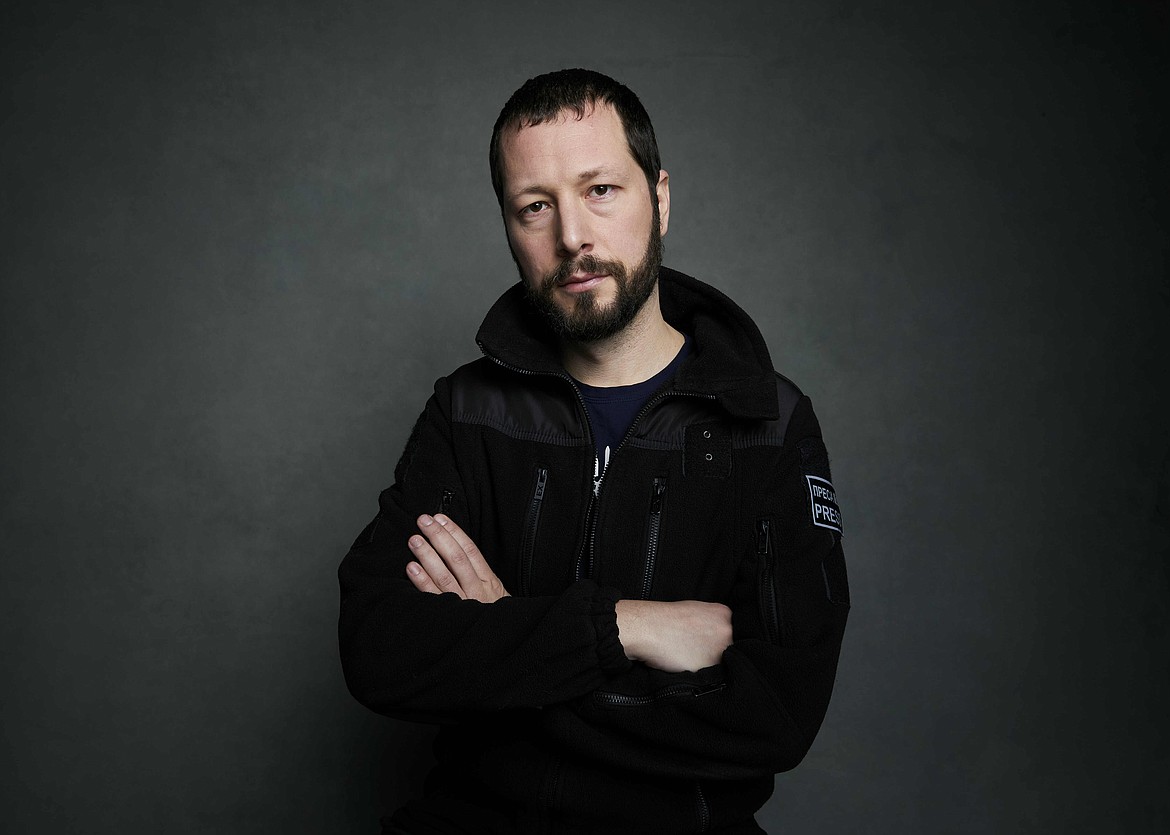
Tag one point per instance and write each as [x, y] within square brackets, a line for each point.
[611, 654]
[631, 624]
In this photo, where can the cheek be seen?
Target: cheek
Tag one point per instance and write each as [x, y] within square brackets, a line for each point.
[529, 273]
[633, 243]
[632, 230]
[530, 248]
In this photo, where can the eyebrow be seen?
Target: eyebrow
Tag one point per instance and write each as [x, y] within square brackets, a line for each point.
[584, 176]
[593, 174]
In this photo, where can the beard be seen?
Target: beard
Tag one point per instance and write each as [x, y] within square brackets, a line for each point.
[587, 320]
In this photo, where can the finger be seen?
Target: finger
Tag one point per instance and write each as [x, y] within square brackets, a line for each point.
[487, 586]
[434, 565]
[492, 586]
[451, 552]
[470, 549]
[421, 580]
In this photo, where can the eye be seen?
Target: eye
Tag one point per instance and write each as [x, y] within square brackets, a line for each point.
[533, 208]
[601, 190]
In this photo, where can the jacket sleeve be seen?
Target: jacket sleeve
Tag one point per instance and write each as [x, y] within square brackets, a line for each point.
[757, 712]
[429, 657]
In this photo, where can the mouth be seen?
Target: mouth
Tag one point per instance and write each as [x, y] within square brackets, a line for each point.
[580, 282]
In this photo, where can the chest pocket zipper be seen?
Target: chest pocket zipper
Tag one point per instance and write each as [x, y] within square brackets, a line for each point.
[769, 607]
[531, 525]
[653, 533]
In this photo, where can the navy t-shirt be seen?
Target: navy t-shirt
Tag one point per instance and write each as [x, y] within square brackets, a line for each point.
[612, 409]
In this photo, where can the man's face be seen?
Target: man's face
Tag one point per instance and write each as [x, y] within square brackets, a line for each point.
[580, 222]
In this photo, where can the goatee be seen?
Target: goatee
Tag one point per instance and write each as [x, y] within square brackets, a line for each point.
[586, 320]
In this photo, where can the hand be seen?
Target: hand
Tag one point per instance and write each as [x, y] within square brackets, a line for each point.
[447, 560]
[679, 636]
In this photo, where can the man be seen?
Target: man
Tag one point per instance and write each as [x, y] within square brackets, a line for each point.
[610, 564]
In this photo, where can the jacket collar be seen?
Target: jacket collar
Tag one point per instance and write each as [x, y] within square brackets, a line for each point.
[728, 360]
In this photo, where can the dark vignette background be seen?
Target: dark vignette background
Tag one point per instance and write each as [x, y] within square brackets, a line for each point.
[238, 242]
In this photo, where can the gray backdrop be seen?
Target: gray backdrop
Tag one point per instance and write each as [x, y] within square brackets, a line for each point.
[240, 240]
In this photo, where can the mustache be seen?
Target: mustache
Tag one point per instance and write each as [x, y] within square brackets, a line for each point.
[582, 264]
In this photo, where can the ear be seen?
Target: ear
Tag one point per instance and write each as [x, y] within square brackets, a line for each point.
[663, 192]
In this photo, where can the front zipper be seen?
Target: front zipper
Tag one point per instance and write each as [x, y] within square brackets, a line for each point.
[548, 790]
[769, 609]
[584, 569]
[704, 809]
[531, 524]
[653, 527]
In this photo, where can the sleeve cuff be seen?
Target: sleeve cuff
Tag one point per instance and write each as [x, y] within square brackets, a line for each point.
[611, 655]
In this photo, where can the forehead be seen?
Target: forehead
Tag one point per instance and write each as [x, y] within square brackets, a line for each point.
[563, 148]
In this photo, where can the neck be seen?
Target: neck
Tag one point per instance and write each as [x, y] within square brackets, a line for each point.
[637, 353]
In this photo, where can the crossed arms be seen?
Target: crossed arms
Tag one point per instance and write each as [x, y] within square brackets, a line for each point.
[613, 678]
[678, 636]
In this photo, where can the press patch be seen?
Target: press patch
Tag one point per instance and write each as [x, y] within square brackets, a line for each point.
[825, 513]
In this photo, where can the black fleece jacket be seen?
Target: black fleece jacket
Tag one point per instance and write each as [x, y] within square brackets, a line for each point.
[720, 492]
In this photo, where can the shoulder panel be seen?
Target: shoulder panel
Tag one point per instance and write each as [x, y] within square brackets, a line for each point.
[529, 407]
[771, 432]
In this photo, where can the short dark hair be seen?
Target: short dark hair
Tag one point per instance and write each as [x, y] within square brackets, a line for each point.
[543, 98]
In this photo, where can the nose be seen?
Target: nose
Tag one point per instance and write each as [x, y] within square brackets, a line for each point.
[574, 233]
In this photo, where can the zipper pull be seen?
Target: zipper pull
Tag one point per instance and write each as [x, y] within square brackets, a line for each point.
[659, 490]
[763, 537]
